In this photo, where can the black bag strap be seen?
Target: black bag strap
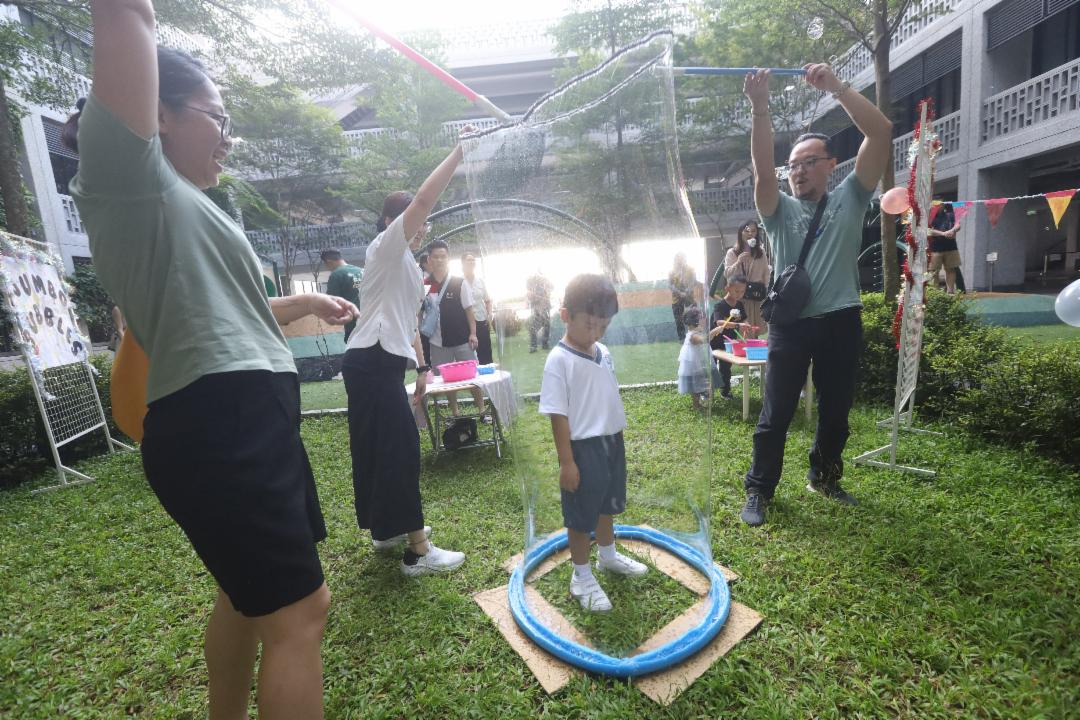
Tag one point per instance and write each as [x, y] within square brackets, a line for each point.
[813, 229]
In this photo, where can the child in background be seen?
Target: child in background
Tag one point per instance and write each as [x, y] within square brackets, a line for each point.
[727, 315]
[580, 394]
[694, 361]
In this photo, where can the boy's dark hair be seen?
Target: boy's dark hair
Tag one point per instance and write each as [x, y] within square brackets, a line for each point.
[179, 77]
[736, 280]
[330, 255]
[422, 259]
[591, 294]
[816, 136]
[394, 204]
[437, 245]
[691, 316]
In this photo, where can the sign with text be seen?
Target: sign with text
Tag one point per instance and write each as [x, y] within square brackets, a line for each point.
[44, 314]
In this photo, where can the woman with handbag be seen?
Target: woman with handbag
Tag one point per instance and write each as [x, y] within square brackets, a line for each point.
[748, 259]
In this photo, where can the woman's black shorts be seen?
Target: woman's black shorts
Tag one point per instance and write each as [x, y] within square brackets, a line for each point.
[225, 459]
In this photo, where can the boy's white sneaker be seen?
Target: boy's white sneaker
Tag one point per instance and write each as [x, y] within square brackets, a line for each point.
[394, 542]
[589, 594]
[437, 560]
[622, 565]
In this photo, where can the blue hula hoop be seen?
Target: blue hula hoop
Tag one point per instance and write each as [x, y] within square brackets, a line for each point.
[718, 604]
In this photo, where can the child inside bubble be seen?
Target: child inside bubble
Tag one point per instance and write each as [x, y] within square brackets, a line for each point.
[580, 394]
[694, 361]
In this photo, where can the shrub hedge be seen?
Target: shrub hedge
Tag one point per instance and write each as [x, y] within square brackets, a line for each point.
[971, 375]
[978, 378]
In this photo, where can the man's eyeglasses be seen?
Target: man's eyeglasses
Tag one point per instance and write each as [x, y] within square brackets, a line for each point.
[223, 120]
[796, 165]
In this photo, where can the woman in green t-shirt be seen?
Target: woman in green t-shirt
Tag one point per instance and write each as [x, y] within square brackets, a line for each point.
[221, 445]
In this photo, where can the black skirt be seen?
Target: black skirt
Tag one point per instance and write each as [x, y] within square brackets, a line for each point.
[224, 457]
[385, 443]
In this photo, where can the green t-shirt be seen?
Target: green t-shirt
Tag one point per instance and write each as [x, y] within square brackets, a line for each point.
[181, 270]
[832, 263]
[344, 282]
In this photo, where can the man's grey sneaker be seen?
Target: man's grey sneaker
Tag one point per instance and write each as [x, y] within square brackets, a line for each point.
[622, 565]
[437, 560]
[753, 512]
[396, 541]
[589, 594]
[831, 490]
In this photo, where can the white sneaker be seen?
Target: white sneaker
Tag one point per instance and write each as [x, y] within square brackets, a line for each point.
[436, 560]
[622, 565]
[588, 592]
[394, 542]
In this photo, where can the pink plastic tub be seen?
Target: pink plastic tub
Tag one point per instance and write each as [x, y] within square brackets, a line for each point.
[458, 371]
[735, 347]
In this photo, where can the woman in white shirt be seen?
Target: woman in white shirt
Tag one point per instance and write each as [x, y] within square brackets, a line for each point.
[481, 309]
[383, 437]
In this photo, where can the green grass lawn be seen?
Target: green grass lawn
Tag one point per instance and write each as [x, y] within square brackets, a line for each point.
[947, 598]
[1046, 333]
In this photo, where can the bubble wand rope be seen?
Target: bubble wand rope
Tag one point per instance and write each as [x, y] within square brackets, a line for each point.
[734, 71]
[446, 78]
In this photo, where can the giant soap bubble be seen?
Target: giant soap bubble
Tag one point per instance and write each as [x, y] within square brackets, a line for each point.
[589, 181]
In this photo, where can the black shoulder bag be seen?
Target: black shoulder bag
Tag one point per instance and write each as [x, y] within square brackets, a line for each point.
[791, 290]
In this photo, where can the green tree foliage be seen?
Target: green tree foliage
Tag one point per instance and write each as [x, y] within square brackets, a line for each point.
[92, 303]
[412, 107]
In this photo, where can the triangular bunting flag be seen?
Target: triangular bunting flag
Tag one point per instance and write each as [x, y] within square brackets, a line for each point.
[1059, 203]
[934, 208]
[960, 209]
[994, 208]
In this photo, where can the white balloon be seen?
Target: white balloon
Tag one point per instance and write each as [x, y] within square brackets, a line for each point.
[1067, 305]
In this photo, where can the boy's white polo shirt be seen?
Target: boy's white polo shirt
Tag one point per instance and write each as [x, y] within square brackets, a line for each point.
[584, 389]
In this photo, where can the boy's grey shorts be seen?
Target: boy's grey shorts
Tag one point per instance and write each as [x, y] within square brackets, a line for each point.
[601, 462]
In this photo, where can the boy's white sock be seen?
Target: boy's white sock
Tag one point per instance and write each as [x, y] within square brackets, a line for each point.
[606, 552]
[582, 572]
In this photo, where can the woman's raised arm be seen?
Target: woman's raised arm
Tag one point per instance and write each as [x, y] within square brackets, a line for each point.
[125, 62]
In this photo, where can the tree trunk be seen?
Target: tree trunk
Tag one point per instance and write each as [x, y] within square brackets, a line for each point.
[18, 216]
[890, 268]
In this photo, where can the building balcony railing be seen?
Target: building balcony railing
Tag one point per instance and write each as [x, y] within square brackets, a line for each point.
[740, 199]
[1039, 100]
[71, 214]
[919, 16]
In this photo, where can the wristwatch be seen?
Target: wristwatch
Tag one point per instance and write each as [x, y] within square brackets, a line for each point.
[844, 87]
[420, 369]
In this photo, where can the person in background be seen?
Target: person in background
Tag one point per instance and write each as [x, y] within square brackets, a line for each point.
[681, 281]
[481, 309]
[943, 249]
[344, 281]
[538, 296]
[695, 366]
[727, 317]
[748, 260]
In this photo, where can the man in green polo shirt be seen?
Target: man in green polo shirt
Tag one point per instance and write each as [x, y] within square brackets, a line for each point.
[344, 281]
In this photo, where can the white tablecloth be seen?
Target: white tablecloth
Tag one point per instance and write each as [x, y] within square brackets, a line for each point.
[497, 387]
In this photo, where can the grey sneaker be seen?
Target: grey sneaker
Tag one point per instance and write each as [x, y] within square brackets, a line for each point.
[753, 512]
[831, 490]
[396, 541]
[437, 560]
[589, 594]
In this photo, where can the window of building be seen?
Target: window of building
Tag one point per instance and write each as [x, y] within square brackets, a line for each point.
[1055, 41]
[65, 162]
[945, 92]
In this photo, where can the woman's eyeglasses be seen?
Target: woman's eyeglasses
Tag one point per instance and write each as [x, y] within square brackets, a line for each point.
[224, 121]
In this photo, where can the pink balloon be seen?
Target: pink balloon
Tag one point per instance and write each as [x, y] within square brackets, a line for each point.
[895, 201]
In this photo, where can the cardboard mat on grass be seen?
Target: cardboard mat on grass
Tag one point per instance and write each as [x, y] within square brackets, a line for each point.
[662, 687]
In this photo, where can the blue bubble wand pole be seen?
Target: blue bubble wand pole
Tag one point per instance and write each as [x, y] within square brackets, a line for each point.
[734, 70]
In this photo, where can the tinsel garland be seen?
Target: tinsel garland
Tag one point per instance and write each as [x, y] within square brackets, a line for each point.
[916, 210]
